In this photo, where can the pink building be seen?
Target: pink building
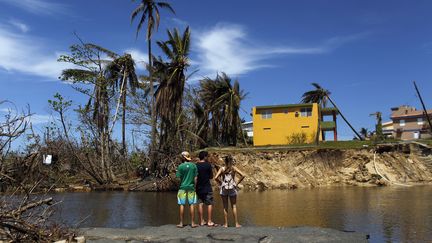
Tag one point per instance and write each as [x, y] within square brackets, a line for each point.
[410, 123]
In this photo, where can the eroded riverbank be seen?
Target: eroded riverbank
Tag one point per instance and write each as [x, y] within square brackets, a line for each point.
[383, 165]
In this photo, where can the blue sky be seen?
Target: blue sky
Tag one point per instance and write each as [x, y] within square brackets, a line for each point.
[367, 53]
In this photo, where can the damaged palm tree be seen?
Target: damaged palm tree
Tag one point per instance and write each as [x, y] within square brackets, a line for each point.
[172, 80]
[91, 70]
[221, 101]
[321, 96]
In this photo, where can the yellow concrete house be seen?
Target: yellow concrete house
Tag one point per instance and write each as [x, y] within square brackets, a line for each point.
[293, 123]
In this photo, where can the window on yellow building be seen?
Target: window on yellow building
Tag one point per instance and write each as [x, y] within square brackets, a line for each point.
[267, 114]
[306, 112]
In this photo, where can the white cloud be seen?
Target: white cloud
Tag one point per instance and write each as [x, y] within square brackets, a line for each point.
[34, 118]
[5, 110]
[27, 54]
[19, 25]
[179, 22]
[39, 119]
[40, 7]
[227, 48]
[139, 57]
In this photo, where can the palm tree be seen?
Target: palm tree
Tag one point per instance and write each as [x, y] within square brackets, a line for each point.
[172, 79]
[201, 123]
[149, 10]
[378, 125]
[222, 99]
[122, 71]
[91, 69]
[364, 132]
[318, 95]
[321, 95]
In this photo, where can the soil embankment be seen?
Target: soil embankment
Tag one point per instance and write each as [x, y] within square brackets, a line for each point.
[393, 164]
[384, 165]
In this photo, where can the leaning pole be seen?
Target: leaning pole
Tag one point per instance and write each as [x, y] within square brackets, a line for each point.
[424, 107]
[343, 117]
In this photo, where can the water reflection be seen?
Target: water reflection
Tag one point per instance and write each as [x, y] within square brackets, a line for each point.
[396, 214]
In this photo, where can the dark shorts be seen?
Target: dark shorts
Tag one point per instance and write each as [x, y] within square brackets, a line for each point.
[228, 192]
[206, 198]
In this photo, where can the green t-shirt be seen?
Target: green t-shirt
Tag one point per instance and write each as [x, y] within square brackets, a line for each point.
[187, 172]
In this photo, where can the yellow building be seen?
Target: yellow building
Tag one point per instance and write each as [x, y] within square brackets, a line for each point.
[290, 124]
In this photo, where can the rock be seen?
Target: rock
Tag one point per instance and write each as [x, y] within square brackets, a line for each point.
[80, 239]
[361, 176]
[260, 186]
[60, 189]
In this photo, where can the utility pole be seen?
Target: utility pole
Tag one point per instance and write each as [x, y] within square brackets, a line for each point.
[343, 117]
[424, 107]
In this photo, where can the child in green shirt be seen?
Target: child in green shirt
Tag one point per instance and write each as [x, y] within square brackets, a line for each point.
[187, 172]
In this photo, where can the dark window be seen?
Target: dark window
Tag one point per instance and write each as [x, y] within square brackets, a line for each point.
[267, 114]
[305, 112]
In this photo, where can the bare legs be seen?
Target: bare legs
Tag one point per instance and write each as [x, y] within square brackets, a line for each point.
[180, 225]
[192, 214]
[233, 202]
[209, 214]
[225, 210]
[201, 214]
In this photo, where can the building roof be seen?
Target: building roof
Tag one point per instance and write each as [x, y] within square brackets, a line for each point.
[415, 113]
[284, 106]
[329, 110]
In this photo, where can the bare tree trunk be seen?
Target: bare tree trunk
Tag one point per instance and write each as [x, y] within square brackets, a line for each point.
[124, 151]
[152, 112]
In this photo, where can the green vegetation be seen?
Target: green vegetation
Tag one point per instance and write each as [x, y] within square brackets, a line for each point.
[353, 144]
[297, 138]
[162, 114]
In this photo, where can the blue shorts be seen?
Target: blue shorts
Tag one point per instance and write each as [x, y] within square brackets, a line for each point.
[186, 197]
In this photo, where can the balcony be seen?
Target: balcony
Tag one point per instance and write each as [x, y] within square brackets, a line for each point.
[327, 125]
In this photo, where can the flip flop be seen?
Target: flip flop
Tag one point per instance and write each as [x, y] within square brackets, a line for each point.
[212, 225]
[194, 226]
[180, 226]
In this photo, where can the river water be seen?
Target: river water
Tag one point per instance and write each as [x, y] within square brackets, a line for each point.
[387, 214]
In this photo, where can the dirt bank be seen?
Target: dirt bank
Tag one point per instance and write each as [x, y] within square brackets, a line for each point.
[399, 165]
[266, 169]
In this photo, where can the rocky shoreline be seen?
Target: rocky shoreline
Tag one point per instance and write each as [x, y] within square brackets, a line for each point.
[170, 233]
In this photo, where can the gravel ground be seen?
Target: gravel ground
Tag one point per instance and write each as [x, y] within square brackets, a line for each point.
[169, 233]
